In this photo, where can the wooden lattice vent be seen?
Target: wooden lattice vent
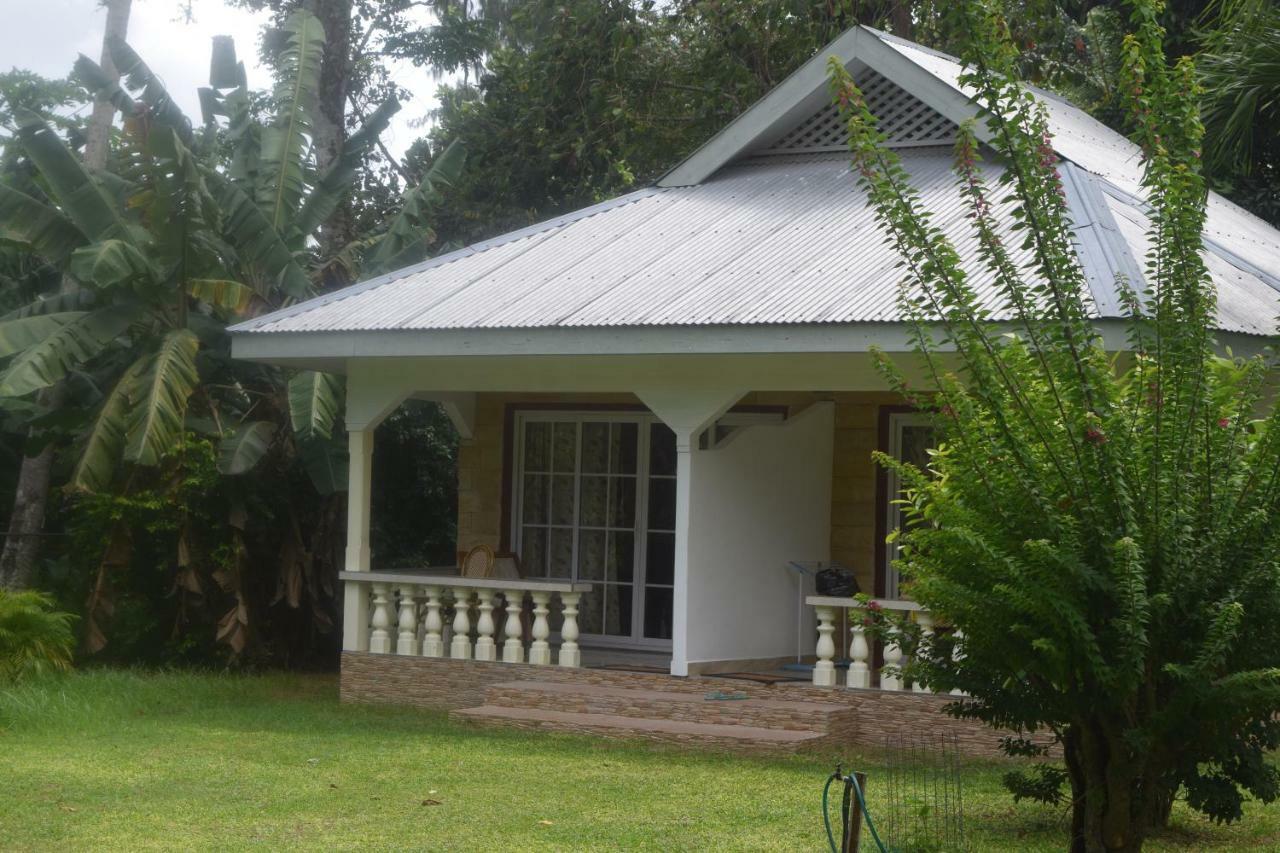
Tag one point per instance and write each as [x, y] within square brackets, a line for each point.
[904, 119]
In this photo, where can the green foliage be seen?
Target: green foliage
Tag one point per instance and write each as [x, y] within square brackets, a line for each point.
[1103, 534]
[33, 636]
[186, 232]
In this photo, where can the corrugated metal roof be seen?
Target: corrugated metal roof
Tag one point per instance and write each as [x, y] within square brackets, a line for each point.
[782, 239]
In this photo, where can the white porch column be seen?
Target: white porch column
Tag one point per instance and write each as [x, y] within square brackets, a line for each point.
[355, 607]
[687, 412]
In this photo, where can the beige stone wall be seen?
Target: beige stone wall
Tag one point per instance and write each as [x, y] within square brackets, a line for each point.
[853, 497]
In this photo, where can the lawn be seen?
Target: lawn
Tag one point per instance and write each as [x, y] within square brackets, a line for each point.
[127, 760]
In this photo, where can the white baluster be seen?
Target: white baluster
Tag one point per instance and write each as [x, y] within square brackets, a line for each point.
[513, 648]
[570, 654]
[432, 643]
[540, 649]
[859, 654]
[460, 648]
[891, 674]
[380, 637]
[956, 655]
[925, 621]
[824, 671]
[407, 641]
[486, 649]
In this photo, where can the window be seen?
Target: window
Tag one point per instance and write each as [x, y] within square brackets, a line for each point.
[910, 439]
[595, 501]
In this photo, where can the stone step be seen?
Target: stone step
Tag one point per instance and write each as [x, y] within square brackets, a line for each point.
[675, 705]
[752, 739]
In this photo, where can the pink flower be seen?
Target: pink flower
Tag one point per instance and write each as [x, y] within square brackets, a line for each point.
[1093, 435]
[1223, 423]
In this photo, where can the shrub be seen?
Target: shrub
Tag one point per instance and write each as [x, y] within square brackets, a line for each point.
[34, 637]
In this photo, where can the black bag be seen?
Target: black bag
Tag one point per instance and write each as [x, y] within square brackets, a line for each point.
[836, 582]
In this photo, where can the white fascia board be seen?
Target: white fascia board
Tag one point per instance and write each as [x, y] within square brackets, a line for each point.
[744, 130]
[330, 347]
[861, 45]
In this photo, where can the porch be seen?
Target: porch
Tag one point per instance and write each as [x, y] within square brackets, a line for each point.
[478, 667]
[656, 531]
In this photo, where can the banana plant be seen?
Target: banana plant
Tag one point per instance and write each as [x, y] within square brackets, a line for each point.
[183, 238]
[193, 227]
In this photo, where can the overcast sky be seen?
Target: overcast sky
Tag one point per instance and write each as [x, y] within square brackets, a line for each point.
[45, 36]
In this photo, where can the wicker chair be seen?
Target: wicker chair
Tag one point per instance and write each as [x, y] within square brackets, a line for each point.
[478, 563]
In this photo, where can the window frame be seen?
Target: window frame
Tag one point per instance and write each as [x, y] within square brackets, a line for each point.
[892, 420]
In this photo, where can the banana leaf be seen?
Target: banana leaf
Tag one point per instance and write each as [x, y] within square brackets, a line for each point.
[45, 363]
[30, 221]
[106, 437]
[259, 245]
[408, 235]
[225, 71]
[242, 450]
[221, 293]
[160, 405]
[341, 174]
[137, 75]
[19, 334]
[74, 300]
[284, 142]
[326, 463]
[111, 263]
[94, 78]
[81, 198]
[314, 401]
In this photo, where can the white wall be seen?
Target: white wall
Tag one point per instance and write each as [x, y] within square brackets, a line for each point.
[758, 502]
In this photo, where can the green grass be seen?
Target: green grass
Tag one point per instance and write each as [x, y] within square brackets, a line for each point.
[127, 760]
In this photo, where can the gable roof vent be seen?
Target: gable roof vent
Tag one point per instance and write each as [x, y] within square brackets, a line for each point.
[904, 119]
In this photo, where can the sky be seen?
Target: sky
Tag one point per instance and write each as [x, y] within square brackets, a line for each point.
[45, 36]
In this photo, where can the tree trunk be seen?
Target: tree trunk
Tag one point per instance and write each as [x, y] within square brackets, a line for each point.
[900, 18]
[1109, 813]
[331, 121]
[31, 498]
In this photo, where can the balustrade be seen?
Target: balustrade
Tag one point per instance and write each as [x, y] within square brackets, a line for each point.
[861, 672]
[411, 606]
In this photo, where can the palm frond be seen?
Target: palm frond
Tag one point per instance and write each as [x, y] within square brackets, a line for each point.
[33, 636]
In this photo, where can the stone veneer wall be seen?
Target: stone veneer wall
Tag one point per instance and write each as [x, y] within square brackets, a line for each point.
[853, 495]
[445, 684]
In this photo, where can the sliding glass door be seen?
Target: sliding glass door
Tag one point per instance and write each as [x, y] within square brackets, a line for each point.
[595, 501]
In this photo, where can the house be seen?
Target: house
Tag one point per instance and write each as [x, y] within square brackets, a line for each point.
[666, 400]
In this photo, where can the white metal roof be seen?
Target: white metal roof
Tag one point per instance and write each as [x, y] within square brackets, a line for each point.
[785, 238]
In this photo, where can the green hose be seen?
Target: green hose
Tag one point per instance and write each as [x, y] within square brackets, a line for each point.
[857, 790]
